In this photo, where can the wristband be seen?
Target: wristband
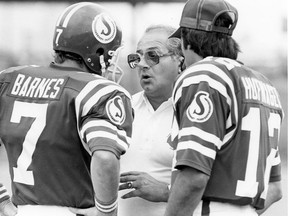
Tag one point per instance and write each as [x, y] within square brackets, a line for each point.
[3, 193]
[106, 208]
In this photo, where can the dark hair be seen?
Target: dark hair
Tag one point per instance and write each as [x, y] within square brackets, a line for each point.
[61, 56]
[211, 43]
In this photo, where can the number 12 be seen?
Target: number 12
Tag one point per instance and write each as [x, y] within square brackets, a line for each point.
[252, 123]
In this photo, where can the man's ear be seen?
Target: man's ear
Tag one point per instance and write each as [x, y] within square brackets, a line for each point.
[181, 65]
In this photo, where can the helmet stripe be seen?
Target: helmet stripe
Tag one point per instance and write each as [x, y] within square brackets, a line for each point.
[70, 14]
[64, 14]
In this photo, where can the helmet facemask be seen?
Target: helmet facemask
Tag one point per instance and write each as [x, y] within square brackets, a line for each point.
[113, 72]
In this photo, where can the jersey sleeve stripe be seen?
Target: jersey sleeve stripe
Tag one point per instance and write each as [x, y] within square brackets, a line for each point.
[97, 134]
[95, 98]
[79, 101]
[122, 139]
[218, 86]
[84, 92]
[102, 123]
[196, 147]
[201, 134]
[222, 76]
[183, 76]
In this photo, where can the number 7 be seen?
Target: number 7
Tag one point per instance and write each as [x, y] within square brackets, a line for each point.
[33, 110]
[59, 32]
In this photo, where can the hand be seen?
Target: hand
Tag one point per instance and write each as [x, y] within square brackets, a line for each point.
[93, 211]
[145, 187]
[7, 208]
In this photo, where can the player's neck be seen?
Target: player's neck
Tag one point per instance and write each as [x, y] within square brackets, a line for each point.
[73, 64]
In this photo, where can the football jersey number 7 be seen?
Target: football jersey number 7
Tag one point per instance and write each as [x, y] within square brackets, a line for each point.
[33, 110]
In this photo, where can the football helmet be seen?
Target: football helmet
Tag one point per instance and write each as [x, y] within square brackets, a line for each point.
[88, 30]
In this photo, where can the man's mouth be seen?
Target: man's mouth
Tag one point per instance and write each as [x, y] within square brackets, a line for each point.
[145, 76]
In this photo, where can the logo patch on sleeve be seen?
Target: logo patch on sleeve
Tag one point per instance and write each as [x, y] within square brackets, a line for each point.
[201, 107]
[115, 110]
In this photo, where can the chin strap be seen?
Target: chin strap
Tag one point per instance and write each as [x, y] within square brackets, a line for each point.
[103, 65]
[113, 71]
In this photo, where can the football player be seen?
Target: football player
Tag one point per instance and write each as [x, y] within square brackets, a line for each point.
[65, 126]
[227, 122]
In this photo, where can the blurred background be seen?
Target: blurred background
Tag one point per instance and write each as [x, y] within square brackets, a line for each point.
[27, 27]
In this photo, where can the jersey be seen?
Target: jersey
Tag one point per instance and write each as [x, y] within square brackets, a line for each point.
[227, 125]
[51, 120]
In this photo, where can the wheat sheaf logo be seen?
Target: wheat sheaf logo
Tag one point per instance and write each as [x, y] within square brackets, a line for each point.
[104, 28]
[201, 107]
[115, 110]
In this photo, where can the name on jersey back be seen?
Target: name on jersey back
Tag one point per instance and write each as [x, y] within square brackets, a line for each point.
[36, 87]
[262, 92]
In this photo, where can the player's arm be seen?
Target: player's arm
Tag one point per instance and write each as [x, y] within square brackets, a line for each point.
[7, 208]
[274, 192]
[105, 169]
[106, 134]
[186, 192]
[273, 195]
[105, 178]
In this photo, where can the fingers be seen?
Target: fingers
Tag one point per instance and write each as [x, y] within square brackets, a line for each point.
[128, 185]
[122, 187]
[134, 193]
[128, 178]
[8, 208]
[130, 173]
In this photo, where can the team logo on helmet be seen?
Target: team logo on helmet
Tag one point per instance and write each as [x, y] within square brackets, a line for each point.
[201, 107]
[115, 110]
[104, 28]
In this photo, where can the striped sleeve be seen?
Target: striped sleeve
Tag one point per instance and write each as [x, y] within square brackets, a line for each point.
[104, 116]
[218, 80]
[102, 135]
[3, 193]
[205, 106]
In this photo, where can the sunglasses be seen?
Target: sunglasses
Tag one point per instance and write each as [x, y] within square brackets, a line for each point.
[151, 58]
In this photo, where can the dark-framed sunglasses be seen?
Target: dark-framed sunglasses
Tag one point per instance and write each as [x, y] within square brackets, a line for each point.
[151, 58]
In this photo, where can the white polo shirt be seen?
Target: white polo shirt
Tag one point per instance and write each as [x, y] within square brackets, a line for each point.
[149, 152]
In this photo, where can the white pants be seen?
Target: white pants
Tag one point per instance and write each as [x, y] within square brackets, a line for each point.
[224, 209]
[42, 210]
